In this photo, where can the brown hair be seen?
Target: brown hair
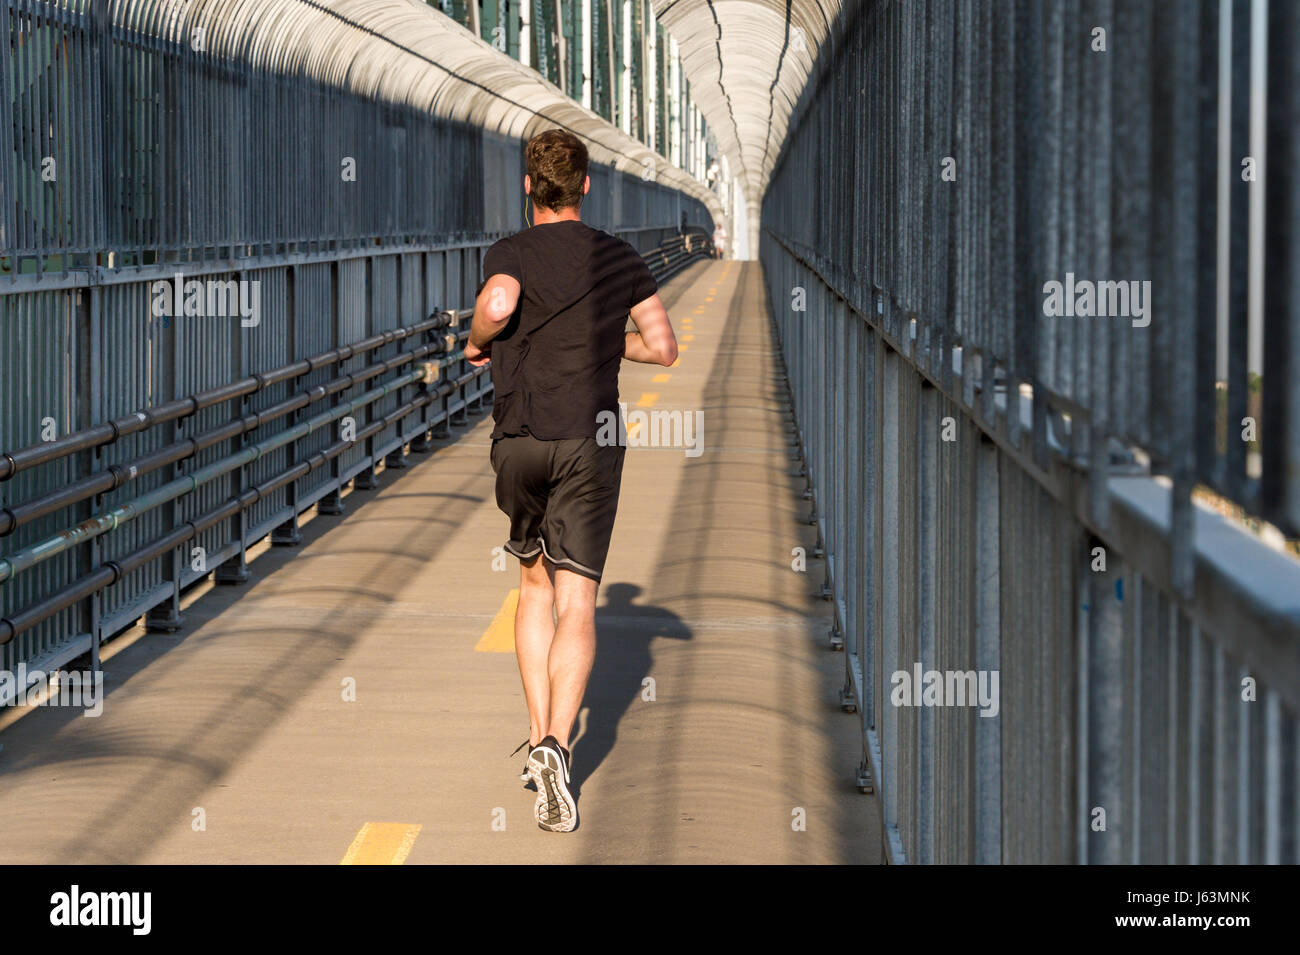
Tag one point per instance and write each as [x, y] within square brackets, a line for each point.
[557, 165]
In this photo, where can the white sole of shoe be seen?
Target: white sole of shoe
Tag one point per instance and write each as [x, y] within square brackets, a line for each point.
[552, 781]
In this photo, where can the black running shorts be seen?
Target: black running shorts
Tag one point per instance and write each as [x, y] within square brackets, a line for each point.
[560, 497]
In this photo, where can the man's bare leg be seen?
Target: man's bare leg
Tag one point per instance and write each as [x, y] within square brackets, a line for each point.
[572, 652]
[534, 634]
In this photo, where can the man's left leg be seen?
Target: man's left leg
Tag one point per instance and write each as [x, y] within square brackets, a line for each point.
[574, 535]
[534, 634]
[573, 651]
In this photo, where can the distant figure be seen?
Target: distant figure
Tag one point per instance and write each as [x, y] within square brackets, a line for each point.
[719, 241]
[552, 316]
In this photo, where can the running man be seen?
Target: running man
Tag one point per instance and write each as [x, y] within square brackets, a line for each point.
[552, 318]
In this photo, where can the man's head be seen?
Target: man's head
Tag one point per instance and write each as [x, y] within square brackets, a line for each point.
[557, 170]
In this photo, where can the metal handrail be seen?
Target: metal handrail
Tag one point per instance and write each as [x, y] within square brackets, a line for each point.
[112, 571]
[118, 475]
[671, 255]
[14, 462]
[678, 251]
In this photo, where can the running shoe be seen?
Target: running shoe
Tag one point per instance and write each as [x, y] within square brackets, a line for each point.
[556, 809]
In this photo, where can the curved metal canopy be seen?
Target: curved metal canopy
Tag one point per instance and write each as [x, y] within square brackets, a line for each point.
[403, 53]
[748, 61]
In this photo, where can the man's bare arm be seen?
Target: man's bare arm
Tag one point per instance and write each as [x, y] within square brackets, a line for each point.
[653, 342]
[492, 310]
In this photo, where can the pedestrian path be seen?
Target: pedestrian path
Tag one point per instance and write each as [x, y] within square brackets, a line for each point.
[356, 700]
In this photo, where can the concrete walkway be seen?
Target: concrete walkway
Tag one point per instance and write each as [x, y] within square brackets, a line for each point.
[711, 723]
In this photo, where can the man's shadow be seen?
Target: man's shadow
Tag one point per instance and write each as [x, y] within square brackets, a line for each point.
[624, 631]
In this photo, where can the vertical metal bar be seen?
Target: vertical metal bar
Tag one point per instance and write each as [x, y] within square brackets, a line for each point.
[988, 810]
[1207, 295]
[927, 592]
[1033, 230]
[1105, 709]
[1280, 479]
[890, 662]
[1142, 217]
[1094, 247]
[1187, 213]
[1234, 477]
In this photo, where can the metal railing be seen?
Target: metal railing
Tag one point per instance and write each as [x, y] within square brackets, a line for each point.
[428, 394]
[433, 385]
[676, 252]
[229, 129]
[207, 324]
[1003, 488]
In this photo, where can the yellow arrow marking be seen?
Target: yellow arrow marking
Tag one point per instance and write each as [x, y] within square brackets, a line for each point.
[382, 843]
[499, 637]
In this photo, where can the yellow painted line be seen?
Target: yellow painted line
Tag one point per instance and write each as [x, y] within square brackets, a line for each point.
[382, 843]
[633, 428]
[499, 637]
[648, 398]
[688, 338]
[700, 310]
[660, 379]
[683, 347]
[713, 291]
[708, 298]
[676, 361]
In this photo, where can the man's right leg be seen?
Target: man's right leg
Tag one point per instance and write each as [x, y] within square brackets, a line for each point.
[522, 467]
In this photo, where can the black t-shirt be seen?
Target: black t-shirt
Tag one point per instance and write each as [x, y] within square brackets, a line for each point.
[555, 365]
